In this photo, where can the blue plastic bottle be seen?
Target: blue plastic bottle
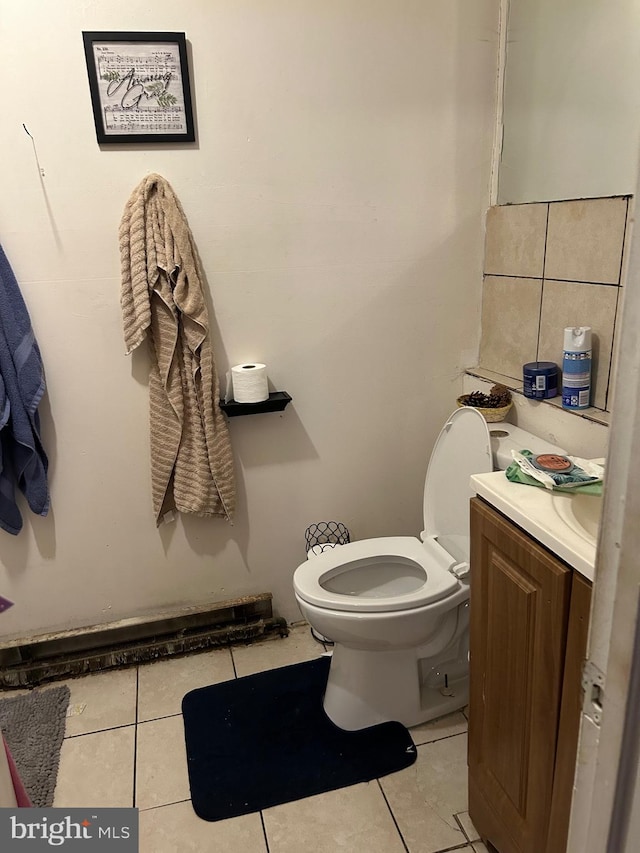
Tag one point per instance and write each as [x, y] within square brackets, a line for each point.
[576, 368]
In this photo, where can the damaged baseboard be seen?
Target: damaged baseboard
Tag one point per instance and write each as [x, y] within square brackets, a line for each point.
[29, 661]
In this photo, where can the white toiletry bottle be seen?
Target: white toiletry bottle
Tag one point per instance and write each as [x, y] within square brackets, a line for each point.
[576, 368]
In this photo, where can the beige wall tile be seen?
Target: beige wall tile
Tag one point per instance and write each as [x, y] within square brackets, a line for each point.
[570, 303]
[585, 239]
[510, 317]
[515, 240]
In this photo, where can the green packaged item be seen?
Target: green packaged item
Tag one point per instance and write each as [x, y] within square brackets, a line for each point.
[555, 472]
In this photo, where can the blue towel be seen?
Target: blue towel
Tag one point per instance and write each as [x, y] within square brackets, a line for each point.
[23, 462]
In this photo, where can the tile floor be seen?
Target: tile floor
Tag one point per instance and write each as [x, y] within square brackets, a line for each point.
[124, 746]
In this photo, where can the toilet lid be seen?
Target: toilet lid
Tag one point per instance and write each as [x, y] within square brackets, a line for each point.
[462, 449]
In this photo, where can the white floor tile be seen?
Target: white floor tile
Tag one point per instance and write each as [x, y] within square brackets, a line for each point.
[177, 829]
[161, 763]
[162, 685]
[96, 770]
[425, 797]
[101, 701]
[277, 651]
[452, 724]
[97, 767]
[350, 820]
[469, 829]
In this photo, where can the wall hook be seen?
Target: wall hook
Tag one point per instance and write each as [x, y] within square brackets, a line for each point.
[33, 142]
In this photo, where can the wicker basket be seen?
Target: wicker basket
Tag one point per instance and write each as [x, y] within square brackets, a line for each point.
[491, 416]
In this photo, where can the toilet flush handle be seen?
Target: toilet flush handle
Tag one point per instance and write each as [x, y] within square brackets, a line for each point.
[461, 570]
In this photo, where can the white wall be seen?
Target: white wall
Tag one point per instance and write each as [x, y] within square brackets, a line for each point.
[571, 100]
[336, 195]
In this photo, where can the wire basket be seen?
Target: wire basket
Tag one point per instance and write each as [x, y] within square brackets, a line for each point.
[491, 416]
[326, 534]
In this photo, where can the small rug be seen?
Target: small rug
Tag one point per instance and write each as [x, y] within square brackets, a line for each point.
[33, 726]
[265, 739]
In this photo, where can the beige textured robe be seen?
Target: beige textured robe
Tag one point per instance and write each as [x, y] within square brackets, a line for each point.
[162, 300]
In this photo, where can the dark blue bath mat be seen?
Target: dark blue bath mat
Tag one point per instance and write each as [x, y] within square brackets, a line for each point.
[265, 739]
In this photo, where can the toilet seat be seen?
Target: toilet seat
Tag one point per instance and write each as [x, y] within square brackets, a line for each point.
[346, 577]
[402, 572]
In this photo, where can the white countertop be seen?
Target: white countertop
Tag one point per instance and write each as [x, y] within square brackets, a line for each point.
[546, 515]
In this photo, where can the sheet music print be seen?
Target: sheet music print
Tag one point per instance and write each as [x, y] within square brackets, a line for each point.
[140, 88]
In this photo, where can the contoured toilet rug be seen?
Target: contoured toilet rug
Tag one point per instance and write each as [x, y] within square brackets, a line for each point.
[265, 739]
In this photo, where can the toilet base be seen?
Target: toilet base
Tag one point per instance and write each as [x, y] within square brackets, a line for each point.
[365, 688]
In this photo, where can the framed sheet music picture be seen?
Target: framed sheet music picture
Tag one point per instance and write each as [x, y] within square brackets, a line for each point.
[139, 87]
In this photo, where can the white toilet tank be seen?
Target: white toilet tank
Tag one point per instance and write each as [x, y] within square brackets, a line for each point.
[506, 437]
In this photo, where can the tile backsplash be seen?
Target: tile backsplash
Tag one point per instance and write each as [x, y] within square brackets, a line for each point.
[547, 266]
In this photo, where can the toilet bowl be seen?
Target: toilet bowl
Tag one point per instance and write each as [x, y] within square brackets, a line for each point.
[397, 608]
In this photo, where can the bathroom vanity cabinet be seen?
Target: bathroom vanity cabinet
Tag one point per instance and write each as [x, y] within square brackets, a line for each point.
[529, 619]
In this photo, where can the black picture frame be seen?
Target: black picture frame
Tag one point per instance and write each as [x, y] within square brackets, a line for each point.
[140, 89]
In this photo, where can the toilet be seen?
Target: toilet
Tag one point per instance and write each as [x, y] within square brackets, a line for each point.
[397, 608]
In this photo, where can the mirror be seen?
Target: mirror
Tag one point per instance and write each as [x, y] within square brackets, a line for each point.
[571, 100]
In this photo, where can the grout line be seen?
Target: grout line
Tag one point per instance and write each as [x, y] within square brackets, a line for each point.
[135, 738]
[550, 278]
[544, 268]
[264, 831]
[624, 255]
[624, 243]
[162, 717]
[612, 353]
[446, 737]
[393, 817]
[459, 822]
[163, 805]
[508, 275]
[101, 731]
[546, 238]
[590, 283]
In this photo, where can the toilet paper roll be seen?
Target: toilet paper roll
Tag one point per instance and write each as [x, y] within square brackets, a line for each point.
[250, 383]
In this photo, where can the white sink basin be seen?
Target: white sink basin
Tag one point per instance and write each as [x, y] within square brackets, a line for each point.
[581, 512]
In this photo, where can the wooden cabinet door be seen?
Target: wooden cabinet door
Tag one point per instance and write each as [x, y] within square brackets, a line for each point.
[519, 610]
[570, 710]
